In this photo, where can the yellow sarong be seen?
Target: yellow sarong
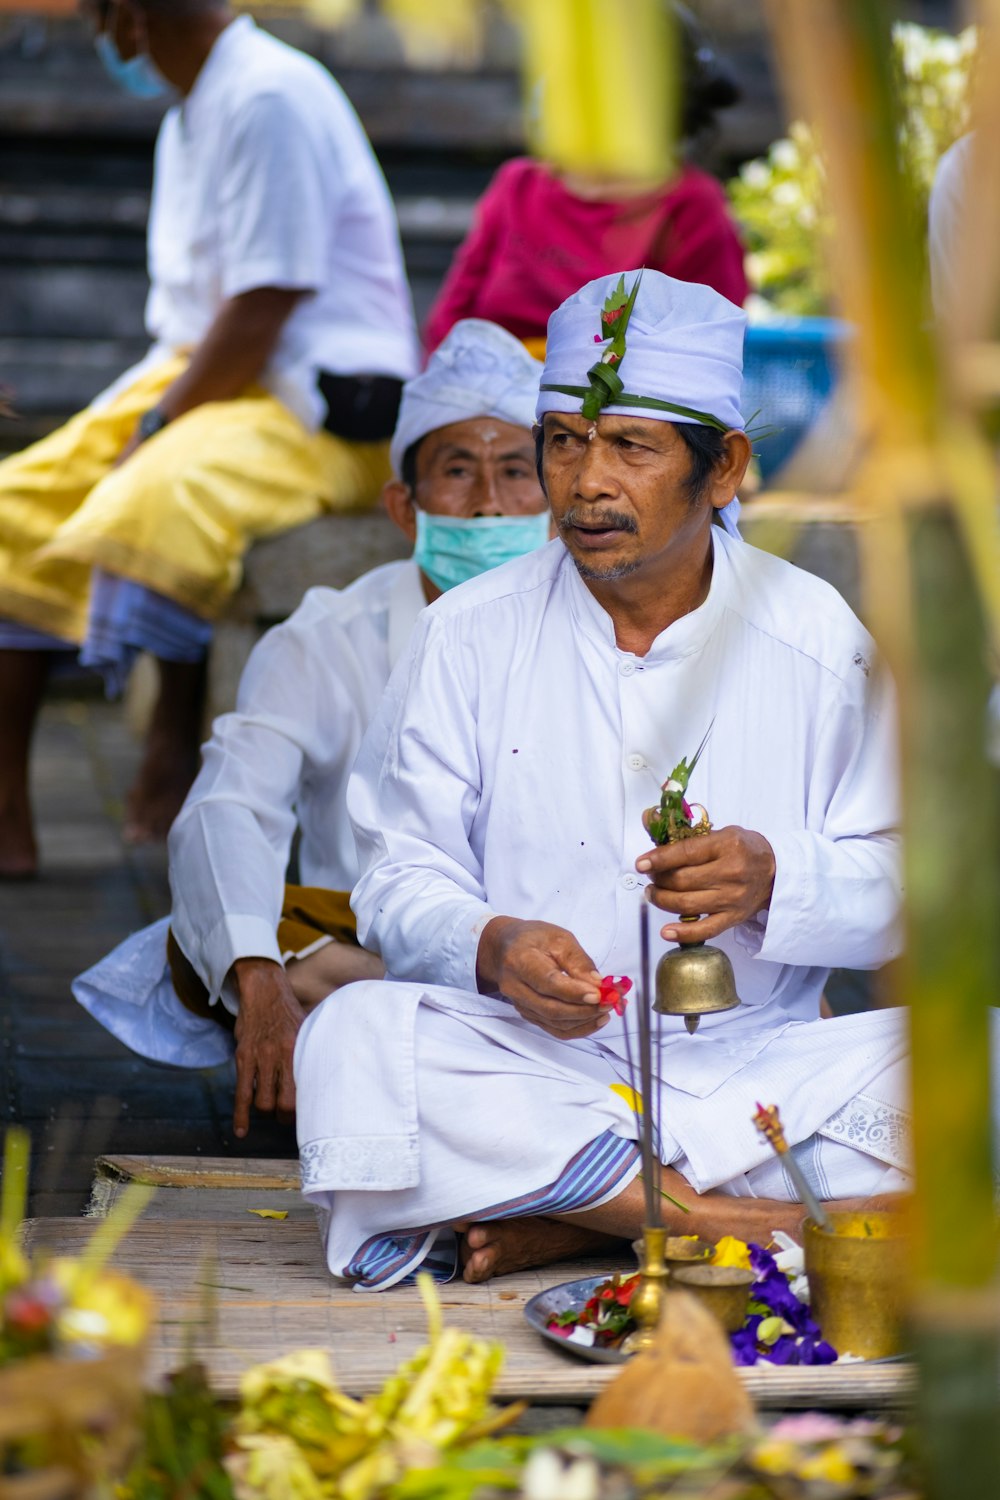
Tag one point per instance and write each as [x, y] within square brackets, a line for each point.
[179, 514]
[310, 917]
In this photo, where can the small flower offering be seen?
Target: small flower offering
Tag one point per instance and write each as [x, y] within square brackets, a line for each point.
[779, 1328]
[674, 819]
[71, 1308]
[614, 988]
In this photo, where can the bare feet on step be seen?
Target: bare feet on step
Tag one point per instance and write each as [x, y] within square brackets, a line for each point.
[499, 1247]
[170, 762]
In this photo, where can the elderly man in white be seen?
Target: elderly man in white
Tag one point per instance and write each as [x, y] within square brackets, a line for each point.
[477, 1113]
[466, 491]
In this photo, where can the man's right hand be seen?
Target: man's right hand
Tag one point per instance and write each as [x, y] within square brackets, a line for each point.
[266, 1027]
[545, 974]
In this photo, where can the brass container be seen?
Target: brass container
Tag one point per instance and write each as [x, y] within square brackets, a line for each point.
[857, 1281]
[693, 982]
[679, 1250]
[682, 1251]
[724, 1291]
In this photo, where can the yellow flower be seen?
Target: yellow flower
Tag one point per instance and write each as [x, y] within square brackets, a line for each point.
[731, 1252]
[830, 1464]
[107, 1309]
[775, 1457]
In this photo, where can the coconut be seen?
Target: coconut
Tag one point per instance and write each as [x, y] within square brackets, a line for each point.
[684, 1386]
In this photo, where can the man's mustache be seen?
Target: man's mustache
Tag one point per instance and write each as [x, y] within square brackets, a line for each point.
[608, 520]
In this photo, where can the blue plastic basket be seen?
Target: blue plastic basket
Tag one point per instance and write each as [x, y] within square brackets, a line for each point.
[789, 373]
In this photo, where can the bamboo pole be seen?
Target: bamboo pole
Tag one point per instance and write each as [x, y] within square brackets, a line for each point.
[931, 547]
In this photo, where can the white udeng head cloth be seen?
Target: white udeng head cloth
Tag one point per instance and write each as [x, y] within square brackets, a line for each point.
[480, 370]
[683, 348]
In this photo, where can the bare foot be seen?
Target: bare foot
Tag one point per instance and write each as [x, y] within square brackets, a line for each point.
[170, 763]
[18, 850]
[22, 683]
[499, 1247]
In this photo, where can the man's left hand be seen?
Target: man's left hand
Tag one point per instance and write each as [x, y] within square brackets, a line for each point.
[722, 878]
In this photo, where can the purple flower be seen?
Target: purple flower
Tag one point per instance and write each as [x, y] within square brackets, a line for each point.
[774, 1291]
[784, 1351]
[744, 1342]
[816, 1351]
[803, 1345]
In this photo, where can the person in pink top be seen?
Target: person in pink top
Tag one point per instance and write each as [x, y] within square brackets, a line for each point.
[538, 236]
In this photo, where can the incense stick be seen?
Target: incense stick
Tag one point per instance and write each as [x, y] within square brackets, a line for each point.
[654, 1215]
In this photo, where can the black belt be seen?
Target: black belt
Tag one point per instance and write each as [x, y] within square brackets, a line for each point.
[361, 408]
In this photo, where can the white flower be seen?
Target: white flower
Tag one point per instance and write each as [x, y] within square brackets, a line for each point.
[947, 50]
[785, 156]
[547, 1476]
[791, 1259]
[787, 194]
[756, 174]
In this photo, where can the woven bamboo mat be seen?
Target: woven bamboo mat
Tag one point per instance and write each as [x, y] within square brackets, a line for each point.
[200, 1187]
[273, 1294]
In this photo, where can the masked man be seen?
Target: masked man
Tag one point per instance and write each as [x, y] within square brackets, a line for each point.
[498, 803]
[282, 332]
[467, 492]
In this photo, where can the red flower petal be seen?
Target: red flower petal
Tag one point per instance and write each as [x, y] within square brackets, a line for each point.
[614, 988]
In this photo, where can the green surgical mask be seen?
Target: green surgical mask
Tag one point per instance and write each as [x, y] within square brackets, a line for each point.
[453, 549]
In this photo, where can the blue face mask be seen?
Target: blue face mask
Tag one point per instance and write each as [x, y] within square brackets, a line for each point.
[453, 549]
[137, 76]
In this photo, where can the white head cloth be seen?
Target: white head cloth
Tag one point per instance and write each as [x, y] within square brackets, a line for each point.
[683, 345]
[480, 370]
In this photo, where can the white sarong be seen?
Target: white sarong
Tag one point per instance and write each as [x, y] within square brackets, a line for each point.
[420, 1106]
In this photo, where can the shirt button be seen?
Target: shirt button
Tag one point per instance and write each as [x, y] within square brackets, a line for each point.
[636, 762]
[626, 668]
[629, 882]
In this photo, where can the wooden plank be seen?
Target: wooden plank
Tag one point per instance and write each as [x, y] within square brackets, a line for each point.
[201, 1171]
[273, 1294]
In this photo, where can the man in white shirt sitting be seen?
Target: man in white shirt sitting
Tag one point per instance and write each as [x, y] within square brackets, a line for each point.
[476, 1111]
[467, 493]
[282, 330]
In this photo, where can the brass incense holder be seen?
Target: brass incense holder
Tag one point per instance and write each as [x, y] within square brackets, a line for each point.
[648, 1299]
[857, 1281]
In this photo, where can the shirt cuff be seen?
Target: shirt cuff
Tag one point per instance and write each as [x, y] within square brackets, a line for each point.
[460, 949]
[233, 938]
[792, 910]
[256, 275]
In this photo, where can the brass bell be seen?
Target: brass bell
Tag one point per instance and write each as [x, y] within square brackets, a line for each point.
[695, 981]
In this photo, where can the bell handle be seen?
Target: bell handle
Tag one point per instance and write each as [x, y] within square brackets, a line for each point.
[701, 942]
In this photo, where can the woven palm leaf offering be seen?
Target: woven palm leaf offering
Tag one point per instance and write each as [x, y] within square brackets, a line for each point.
[72, 1350]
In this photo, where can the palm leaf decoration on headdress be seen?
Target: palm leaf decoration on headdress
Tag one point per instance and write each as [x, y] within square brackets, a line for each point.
[605, 382]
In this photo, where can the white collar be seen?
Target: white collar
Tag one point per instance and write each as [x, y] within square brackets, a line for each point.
[229, 39]
[684, 637]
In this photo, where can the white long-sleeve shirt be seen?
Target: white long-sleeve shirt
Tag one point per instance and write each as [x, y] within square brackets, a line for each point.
[265, 177]
[283, 757]
[509, 764]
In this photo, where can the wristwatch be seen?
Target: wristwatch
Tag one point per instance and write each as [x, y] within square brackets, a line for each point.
[151, 422]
